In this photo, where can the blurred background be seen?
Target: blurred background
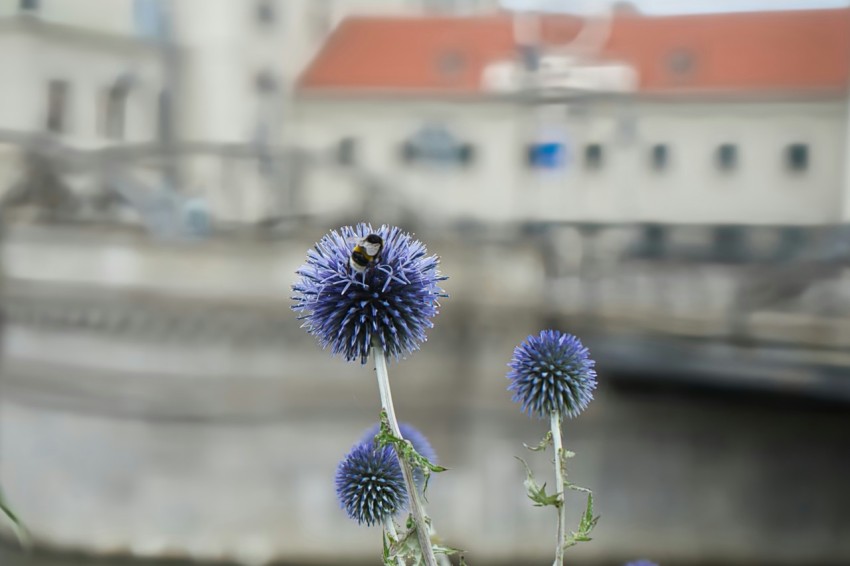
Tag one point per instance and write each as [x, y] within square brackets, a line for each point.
[673, 187]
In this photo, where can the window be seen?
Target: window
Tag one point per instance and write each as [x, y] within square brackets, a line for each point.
[437, 145]
[265, 82]
[346, 151]
[727, 156]
[57, 102]
[593, 156]
[114, 112]
[28, 5]
[265, 12]
[546, 155]
[660, 156]
[797, 157]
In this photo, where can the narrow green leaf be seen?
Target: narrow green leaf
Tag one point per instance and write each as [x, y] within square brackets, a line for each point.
[15, 522]
[541, 446]
[535, 492]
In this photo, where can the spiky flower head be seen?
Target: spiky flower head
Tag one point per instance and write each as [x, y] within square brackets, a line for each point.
[552, 372]
[392, 301]
[416, 438]
[369, 484]
[641, 563]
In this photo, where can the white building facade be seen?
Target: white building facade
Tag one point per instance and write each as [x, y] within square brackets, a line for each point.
[682, 132]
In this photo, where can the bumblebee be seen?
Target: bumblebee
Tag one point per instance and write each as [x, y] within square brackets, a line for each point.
[366, 251]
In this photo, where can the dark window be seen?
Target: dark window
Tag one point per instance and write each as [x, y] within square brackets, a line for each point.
[115, 109]
[660, 156]
[548, 155]
[436, 145]
[797, 157]
[29, 5]
[57, 102]
[347, 151]
[265, 12]
[265, 82]
[593, 156]
[466, 153]
[727, 156]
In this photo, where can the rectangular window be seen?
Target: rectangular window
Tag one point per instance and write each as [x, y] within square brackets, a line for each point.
[593, 156]
[57, 102]
[265, 12]
[727, 157]
[114, 112]
[797, 157]
[548, 155]
[347, 151]
[660, 156]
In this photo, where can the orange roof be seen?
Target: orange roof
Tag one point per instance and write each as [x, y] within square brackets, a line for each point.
[806, 50]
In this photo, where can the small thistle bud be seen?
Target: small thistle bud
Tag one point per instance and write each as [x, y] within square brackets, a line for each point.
[552, 372]
[391, 297]
[369, 484]
[417, 439]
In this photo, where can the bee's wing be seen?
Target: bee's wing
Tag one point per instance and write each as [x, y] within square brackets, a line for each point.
[355, 240]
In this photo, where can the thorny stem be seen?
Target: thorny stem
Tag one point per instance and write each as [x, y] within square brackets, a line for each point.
[555, 425]
[432, 532]
[389, 527]
[413, 493]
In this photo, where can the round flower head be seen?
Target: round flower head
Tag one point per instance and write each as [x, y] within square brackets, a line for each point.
[391, 300]
[416, 438]
[552, 372]
[369, 484]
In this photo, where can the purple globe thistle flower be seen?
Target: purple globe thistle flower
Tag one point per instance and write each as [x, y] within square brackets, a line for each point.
[416, 438]
[641, 563]
[552, 372]
[369, 484]
[392, 301]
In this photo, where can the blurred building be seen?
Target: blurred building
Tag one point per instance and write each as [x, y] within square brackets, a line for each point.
[736, 118]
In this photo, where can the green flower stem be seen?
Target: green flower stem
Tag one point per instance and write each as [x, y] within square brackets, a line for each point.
[389, 527]
[432, 533]
[555, 425]
[413, 493]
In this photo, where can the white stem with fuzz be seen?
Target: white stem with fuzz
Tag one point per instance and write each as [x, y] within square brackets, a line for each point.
[389, 526]
[555, 425]
[413, 493]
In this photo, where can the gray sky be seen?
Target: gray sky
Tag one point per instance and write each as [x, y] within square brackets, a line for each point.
[679, 6]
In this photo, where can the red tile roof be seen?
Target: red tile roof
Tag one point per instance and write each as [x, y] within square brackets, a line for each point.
[807, 50]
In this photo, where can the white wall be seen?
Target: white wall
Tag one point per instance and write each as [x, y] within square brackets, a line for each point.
[500, 185]
[112, 16]
[29, 61]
